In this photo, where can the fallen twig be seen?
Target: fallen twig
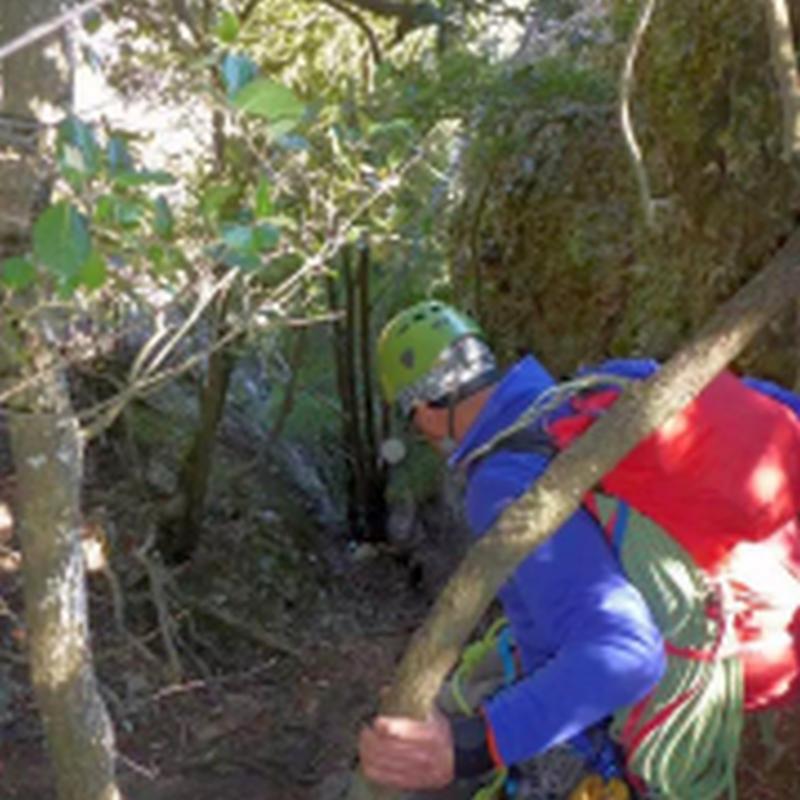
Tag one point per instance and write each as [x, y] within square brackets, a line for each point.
[155, 574]
[270, 641]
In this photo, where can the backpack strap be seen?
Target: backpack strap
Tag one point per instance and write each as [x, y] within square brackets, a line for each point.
[525, 440]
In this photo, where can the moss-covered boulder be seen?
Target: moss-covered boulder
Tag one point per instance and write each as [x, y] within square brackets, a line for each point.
[550, 243]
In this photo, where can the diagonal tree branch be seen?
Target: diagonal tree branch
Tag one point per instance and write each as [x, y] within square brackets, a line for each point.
[641, 409]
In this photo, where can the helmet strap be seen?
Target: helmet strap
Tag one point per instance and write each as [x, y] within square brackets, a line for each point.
[448, 443]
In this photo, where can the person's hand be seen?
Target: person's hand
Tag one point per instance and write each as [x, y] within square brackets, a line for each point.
[408, 754]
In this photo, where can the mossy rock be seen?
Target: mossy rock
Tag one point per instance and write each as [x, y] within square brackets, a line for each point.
[550, 246]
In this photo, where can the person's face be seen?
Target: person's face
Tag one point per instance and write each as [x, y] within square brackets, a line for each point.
[432, 423]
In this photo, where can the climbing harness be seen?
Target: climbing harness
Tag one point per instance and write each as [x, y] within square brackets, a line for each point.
[597, 752]
[497, 639]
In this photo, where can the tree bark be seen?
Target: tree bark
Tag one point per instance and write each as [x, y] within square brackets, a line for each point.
[641, 409]
[375, 511]
[355, 410]
[289, 393]
[179, 541]
[45, 439]
[46, 449]
[338, 343]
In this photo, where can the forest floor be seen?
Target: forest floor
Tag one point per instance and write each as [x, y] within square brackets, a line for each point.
[246, 689]
[271, 649]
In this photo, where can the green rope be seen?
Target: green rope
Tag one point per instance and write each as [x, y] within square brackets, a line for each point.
[545, 402]
[474, 655]
[692, 753]
[493, 789]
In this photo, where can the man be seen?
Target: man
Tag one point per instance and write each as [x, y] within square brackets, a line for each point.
[590, 643]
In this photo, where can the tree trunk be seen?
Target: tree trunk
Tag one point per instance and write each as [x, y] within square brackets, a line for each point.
[351, 401]
[46, 448]
[340, 356]
[375, 512]
[179, 540]
[46, 443]
[641, 409]
[289, 393]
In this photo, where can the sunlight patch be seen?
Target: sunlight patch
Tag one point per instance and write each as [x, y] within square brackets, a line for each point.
[6, 523]
[766, 482]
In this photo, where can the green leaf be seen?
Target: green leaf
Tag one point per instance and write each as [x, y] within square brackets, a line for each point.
[17, 273]
[118, 211]
[127, 213]
[263, 199]
[61, 239]
[267, 237]
[78, 151]
[104, 209]
[271, 100]
[118, 156]
[227, 29]
[217, 199]
[279, 130]
[129, 178]
[163, 221]
[93, 271]
[237, 72]
[66, 286]
[399, 128]
[72, 159]
[246, 261]
[165, 260]
[240, 238]
[155, 253]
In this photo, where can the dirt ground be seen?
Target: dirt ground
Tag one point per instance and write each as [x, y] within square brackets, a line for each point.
[279, 642]
[257, 725]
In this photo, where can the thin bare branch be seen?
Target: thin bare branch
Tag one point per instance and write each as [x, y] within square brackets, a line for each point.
[784, 63]
[247, 10]
[203, 302]
[626, 89]
[334, 243]
[39, 32]
[183, 14]
[355, 17]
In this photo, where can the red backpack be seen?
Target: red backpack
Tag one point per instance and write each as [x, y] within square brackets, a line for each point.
[722, 478]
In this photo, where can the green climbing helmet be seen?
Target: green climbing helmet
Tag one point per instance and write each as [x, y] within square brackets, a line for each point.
[428, 351]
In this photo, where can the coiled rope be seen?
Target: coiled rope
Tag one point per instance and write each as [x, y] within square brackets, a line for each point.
[683, 739]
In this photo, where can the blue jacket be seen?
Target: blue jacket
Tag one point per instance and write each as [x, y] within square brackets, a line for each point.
[586, 638]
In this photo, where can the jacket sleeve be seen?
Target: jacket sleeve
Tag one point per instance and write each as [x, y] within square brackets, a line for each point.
[588, 643]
